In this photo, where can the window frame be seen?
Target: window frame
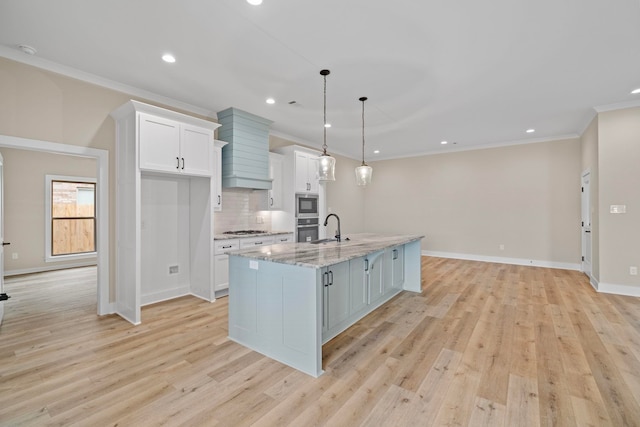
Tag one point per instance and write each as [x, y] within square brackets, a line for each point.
[49, 257]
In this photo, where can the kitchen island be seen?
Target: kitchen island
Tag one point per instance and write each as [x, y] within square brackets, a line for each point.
[286, 300]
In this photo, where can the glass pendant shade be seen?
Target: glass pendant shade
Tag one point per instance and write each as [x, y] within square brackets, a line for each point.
[326, 163]
[363, 174]
[326, 168]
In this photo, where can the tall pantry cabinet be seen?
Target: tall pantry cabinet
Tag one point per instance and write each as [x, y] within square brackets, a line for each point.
[165, 185]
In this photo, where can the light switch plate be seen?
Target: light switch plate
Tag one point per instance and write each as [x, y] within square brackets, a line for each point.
[253, 265]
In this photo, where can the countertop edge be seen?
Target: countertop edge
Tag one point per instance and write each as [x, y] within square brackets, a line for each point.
[270, 253]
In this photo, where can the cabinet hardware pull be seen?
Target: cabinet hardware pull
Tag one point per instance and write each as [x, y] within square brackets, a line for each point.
[366, 265]
[395, 254]
[272, 201]
[330, 277]
[325, 279]
[227, 247]
[257, 243]
[5, 243]
[178, 164]
[183, 163]
[219, 199]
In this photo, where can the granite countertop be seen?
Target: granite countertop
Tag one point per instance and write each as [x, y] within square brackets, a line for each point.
[245, 236]
[329, 253]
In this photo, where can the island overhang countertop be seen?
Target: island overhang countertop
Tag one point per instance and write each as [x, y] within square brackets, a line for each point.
[328, 253]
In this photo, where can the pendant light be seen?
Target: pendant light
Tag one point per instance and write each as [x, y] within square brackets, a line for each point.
[363, 172]
[326, 163]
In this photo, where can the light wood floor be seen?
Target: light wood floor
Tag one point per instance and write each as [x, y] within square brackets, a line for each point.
[483, 345]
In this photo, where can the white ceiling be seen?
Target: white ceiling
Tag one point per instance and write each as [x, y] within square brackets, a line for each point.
[472, 73]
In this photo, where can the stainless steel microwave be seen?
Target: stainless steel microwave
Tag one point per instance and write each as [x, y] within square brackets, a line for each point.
[306, 206]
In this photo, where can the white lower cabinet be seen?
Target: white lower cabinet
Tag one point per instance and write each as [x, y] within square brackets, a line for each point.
[335, 280]
[221, 262]
[221, 259]
[353, 288]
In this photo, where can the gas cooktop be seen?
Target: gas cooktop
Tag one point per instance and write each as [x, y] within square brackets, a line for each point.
[241, 232]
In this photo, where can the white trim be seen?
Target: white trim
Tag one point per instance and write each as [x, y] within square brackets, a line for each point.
[617, 106]
[48, 268]
[102, 200]
[612, 288]
[502, 260]
[74, 73]
[48, 257]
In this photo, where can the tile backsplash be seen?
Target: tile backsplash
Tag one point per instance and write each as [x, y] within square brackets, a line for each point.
[241, 210]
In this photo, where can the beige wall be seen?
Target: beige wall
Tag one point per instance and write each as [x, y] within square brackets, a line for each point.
[345, 198]
[589, 146]
[24, 203]
[42, 105]
[526, 197]
[619, 184]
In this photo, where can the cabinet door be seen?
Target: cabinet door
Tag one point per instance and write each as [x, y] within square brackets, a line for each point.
[159, 141]
[336, 281]
[375, 275]
[397, 265]
[196, 145]
[221, 272]
[217, 178]
[358, 284]
[312, 174]
[275, 173]
[301, 184]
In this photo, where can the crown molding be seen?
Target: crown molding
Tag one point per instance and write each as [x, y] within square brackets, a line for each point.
[54, 67]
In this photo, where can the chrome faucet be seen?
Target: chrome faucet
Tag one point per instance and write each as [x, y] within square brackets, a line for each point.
[326, 220]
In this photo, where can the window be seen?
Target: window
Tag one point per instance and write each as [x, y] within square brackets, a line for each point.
[71, 217]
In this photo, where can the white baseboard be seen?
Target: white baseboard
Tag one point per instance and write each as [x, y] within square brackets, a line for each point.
[502, 260]
[164, 295]
[8, 273]
[612, 288]
[606, 288]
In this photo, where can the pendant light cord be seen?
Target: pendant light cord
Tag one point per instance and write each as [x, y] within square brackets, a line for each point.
[325, 73]
[364, 98]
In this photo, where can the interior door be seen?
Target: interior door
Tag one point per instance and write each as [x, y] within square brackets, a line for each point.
[3, 296]
[586, 223]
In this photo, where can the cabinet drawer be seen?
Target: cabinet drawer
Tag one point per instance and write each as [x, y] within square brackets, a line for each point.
[256, 241]
[222, 246]
[283, 238]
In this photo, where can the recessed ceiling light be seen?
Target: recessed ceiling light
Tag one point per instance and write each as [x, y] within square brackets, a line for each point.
[530, 130]
[444, 142]
[376, 151]
[636, 91]
[167, 57]
[27, 49]
[327, 125]
[255, 2]
[271, 101]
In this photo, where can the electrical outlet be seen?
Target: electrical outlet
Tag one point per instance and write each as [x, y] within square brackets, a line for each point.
[502, 247]
[14, 255]
[633, 271]
[173, 269]
[259, 220]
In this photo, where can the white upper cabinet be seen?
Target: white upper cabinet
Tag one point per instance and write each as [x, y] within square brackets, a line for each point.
[306, 176]
[275, 173]
[170, 146]
[217, 175]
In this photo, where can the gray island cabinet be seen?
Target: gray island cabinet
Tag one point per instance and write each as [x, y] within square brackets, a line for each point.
[287, 300]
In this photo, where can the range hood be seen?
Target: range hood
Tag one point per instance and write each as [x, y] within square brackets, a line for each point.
[245, 159]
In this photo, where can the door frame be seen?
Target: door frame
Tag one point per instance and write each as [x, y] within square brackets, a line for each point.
[585, 203]
[102, 201]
